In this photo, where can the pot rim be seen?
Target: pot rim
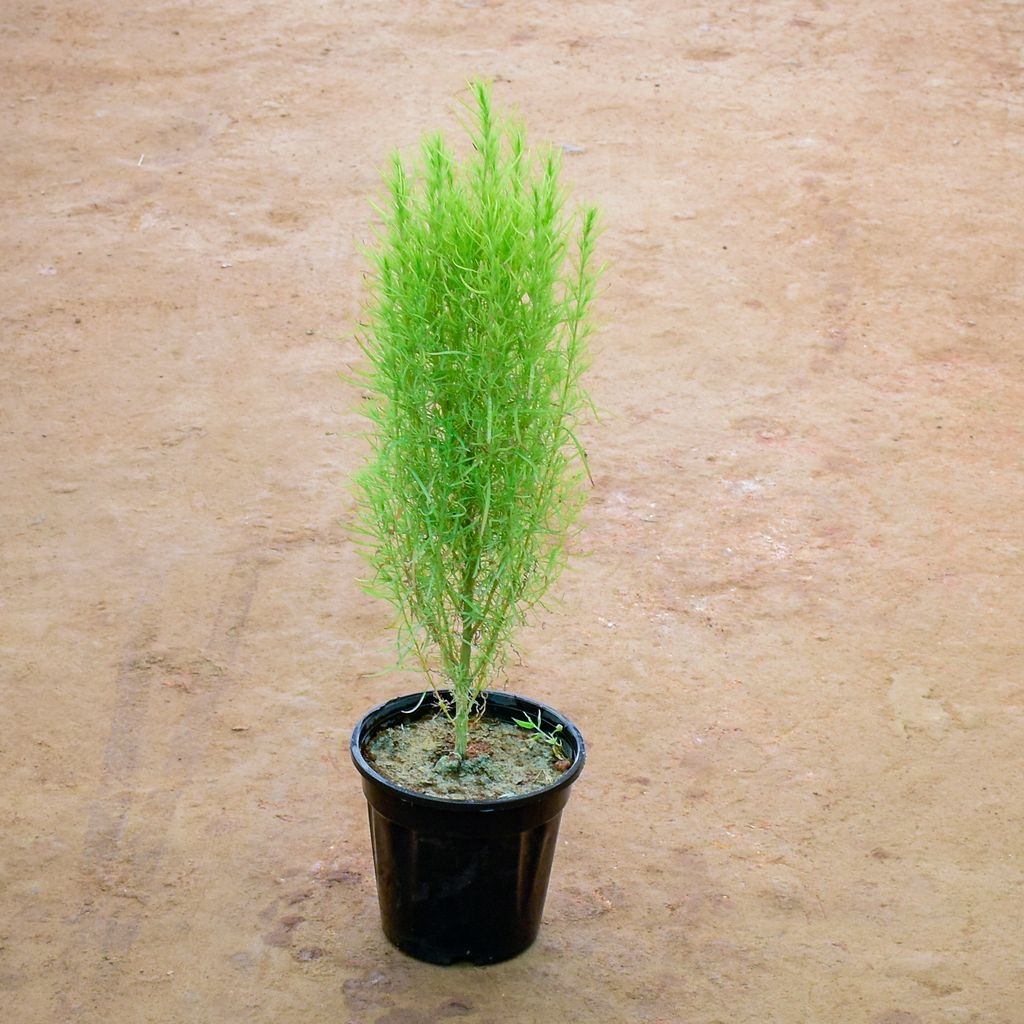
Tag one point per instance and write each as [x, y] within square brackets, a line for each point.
[382, 714]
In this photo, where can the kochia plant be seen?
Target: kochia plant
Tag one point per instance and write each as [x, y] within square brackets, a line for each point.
[475, 336]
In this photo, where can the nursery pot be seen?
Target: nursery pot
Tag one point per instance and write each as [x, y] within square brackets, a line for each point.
[462, 879]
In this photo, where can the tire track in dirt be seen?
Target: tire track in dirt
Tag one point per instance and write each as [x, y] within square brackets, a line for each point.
[830, 211]
[126, 865]
[121, 757]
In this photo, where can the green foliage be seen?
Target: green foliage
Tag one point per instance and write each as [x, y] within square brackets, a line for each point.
[475, 338]
[537, 728]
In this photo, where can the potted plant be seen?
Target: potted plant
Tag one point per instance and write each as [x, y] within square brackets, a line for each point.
[475, 335]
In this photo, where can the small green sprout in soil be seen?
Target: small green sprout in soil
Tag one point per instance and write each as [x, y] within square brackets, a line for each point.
[550, 738]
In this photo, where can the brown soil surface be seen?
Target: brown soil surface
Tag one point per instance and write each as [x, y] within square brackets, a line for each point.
[502, 760]
[794, 647]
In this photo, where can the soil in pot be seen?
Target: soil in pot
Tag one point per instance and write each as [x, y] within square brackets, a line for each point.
[502, 760]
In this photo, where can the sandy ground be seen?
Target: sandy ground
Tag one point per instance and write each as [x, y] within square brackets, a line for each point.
[795, 642]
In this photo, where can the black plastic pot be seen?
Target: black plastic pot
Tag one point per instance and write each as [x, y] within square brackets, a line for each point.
[463, 879]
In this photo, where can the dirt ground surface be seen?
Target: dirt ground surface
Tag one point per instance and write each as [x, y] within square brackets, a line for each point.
[794, 643]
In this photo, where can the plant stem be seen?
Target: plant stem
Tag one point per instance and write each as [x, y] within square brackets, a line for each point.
[464, 678]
